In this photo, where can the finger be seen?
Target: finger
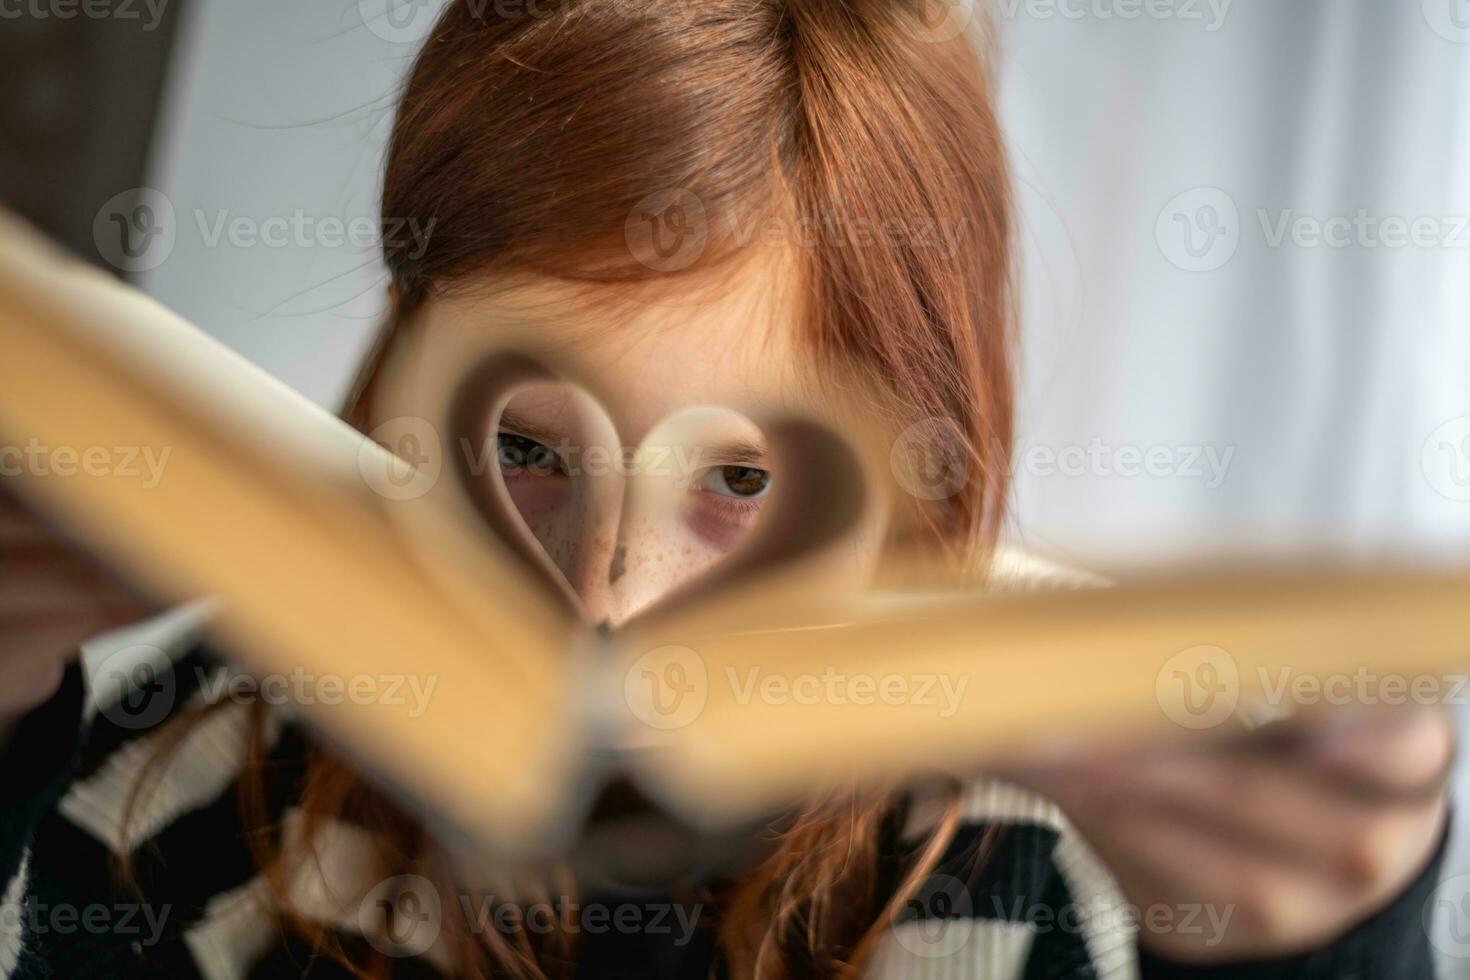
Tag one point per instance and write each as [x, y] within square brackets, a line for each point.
[1267, 907]
[1401, 751]
[1268, 807]
[53, 581]
[28, 679]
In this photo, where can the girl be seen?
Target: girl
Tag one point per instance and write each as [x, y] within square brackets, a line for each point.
[702, 202]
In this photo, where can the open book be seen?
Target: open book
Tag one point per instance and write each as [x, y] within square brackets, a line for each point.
[325, 550]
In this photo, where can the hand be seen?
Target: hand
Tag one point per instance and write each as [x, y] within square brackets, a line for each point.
[51, 599]
[1279, 844]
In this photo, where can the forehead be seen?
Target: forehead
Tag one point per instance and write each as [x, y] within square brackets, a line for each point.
[652, 350]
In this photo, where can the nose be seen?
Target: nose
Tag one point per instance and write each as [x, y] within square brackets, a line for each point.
[591, 573]
[621, 561]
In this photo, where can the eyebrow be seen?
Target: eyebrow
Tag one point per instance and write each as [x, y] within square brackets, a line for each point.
[740, 452]
[529, 429]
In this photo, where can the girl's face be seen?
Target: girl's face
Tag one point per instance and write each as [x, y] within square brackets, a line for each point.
[638, 490]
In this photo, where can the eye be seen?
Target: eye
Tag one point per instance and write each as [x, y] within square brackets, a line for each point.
[740, 482]
[522, 456]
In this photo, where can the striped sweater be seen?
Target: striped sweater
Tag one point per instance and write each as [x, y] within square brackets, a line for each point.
[1018, 895]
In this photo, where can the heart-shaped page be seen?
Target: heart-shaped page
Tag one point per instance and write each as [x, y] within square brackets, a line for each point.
[708, 499]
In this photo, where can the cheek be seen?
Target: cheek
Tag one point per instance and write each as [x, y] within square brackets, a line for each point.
[549, 508]
[661, 554]
[657, 556]
[537, 498]
[720, 523]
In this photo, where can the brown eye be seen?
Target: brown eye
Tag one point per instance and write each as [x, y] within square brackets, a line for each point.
[743, 482]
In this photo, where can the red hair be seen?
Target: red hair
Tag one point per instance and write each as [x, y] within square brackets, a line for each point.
[525, 142]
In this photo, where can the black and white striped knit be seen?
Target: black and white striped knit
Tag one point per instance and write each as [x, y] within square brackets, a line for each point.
[1018, 895]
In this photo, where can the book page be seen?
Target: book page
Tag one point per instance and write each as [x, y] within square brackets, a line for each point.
[283, 515]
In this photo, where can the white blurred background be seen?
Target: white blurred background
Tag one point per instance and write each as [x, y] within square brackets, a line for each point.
[1246, 268]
